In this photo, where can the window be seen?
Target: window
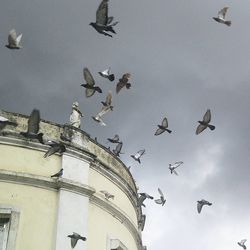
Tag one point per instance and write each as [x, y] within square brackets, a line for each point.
[4, 230]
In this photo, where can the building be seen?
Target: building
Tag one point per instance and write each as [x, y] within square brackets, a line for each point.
[38, 212]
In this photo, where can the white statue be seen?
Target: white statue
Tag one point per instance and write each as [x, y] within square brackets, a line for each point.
[76, 114]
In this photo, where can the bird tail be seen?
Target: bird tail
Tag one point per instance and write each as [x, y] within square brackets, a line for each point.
[212, 127]
[110, 28]
[169, 131]
[83, 238]
[228, 23]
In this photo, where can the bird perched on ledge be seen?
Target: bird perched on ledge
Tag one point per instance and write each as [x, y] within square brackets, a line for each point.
[55, 147]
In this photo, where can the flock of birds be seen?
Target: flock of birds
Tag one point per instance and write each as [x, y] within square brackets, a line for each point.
[104, 25]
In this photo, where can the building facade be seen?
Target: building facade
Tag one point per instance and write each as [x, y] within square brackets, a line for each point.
[38, 212]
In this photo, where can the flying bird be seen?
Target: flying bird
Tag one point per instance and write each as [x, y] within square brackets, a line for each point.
[14, 40]
[55, 147]
[115, 139]
[162, 199]
[107, 195]
[221, 17]
[98, 117]
[201, 203]
[117, 150]
[75, 237]
[58, 174]
[103, 22]
[138, 155]
[106, 74]
[90, 84]
[33, 127]
[163, 127]
[4, 122]
[205, 123]
[108, 101]
[242, 243]
[123, 82]
[172, 167]
[142, 198]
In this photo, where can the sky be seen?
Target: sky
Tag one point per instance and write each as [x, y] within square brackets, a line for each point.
[182, 63]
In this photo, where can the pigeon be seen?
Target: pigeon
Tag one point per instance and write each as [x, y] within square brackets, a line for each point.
[117, 150]
[123, 82]
[138, 155]
[162, 200]
[115, 139]
[163, 127]
[14, 40]
[57, 175]
[108, 101]
[97, 118]
[105, 73]
[201, 203]
[55, 147]
[107, 195]
[143, 196]
[242, 243]
[205, 123]
[90, 82]
[172, 167]
[33, 127]
[221, 17]
[4, 121]
[103, 22]
[75, 237]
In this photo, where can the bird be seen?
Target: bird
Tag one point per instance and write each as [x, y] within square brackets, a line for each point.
[103, 23]
[14, 40]
[242, 243]
[106, 74]
[172, 167]
[58, 174]
[5, 121]
[221, 17]
[163, 127]
[142, 198]
[201, 203]
[138, 155]
[205, 123]
[97, 118]
[108, 101]
[55, 147]
[90, 84]
[33, 126]
[107, 195]
[123, 82]
[117, 150]
[75, 237]
[162, 199]
[115, 139]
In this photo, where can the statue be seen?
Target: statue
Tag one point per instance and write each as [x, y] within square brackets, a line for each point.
[76, 114]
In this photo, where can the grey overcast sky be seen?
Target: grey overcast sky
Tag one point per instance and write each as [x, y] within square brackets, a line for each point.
[182, 62]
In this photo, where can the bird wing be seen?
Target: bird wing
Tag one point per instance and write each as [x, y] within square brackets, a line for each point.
[116, 138]
[160, 192]
[102, 13]
[88, 77]
[159, 131]
[200, 128]
[141, 152]
[222, 12]
[141, 199]
[33, 122]
[110, 19]
[104, 110]
[52, 150]
[18, 39]
[3, 119]
[207, 116]
[12, 37]
[73, 242]
[178, 163]
[243, 241]
[158, 201]
[106, 72]
[126, 77]
[175, 172]
[104, 192]
[118, 147]
[165, 122]
[199, 207]
[109, 98]
[119, 86]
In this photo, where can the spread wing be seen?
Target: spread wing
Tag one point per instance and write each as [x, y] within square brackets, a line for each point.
[18, 40]
[141, 152]
[119, 86]
[73, 242]
[109, 98]
[104, 110]
[126, 77]
[159, 131]
[222, 12]
[102, 13]
[165, 122]
[158, 201]
[207, 116]
[88, 77]
[200, 128]
[160, 192]
[116, 138]
[12, 37]
[33, 122]
[118, 148]
[199, 207]
[243, 241]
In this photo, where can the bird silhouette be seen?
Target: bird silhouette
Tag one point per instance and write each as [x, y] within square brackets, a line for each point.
[14, 40]
[163, 127]
[162, 199]
[106, 74]
[242, 243]
[138, 155]
[142, 198]
[58, 174]
[75, 237]
[205, 123]
[55, 147]
[123, 82]
[115, 139]
[108, 101]
[172, 167]
[201, 203]
[117, 150]
[221, 17]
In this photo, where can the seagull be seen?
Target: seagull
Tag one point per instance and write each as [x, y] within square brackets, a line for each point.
[143, 196]
[33, 126]
[138, 155]
[103, 21]
[115, 139]
[162, 200]
[117, 150]
[57, 175]
[14, 40]
[55, 147]
[4, 121]
[242, 243]
[90, 82]
[107, 195]
[108, 101]
[75, 237]
[221, 17]
[105, 73]
[163, 127]
[172, 167]
[201, 203]
[103, 111]
[205, 123]
[123, 82]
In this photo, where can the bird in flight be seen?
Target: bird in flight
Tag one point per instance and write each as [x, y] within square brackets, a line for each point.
[90, 83]
[221, 17]
[138, 155]
[123, 82]
[205, 123]
[242, 243]
[117, 150]
[55, 147]
[162, 199]
[115, 139]
[201, 203]
[4, 122]
[58, 174]
[142, 198]
[98, 117]
[107, 195]
[108, 101]
[14, 40]
[103, 23]
[74, 238]
[163, 127]
[172, 167]
[106, 74]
